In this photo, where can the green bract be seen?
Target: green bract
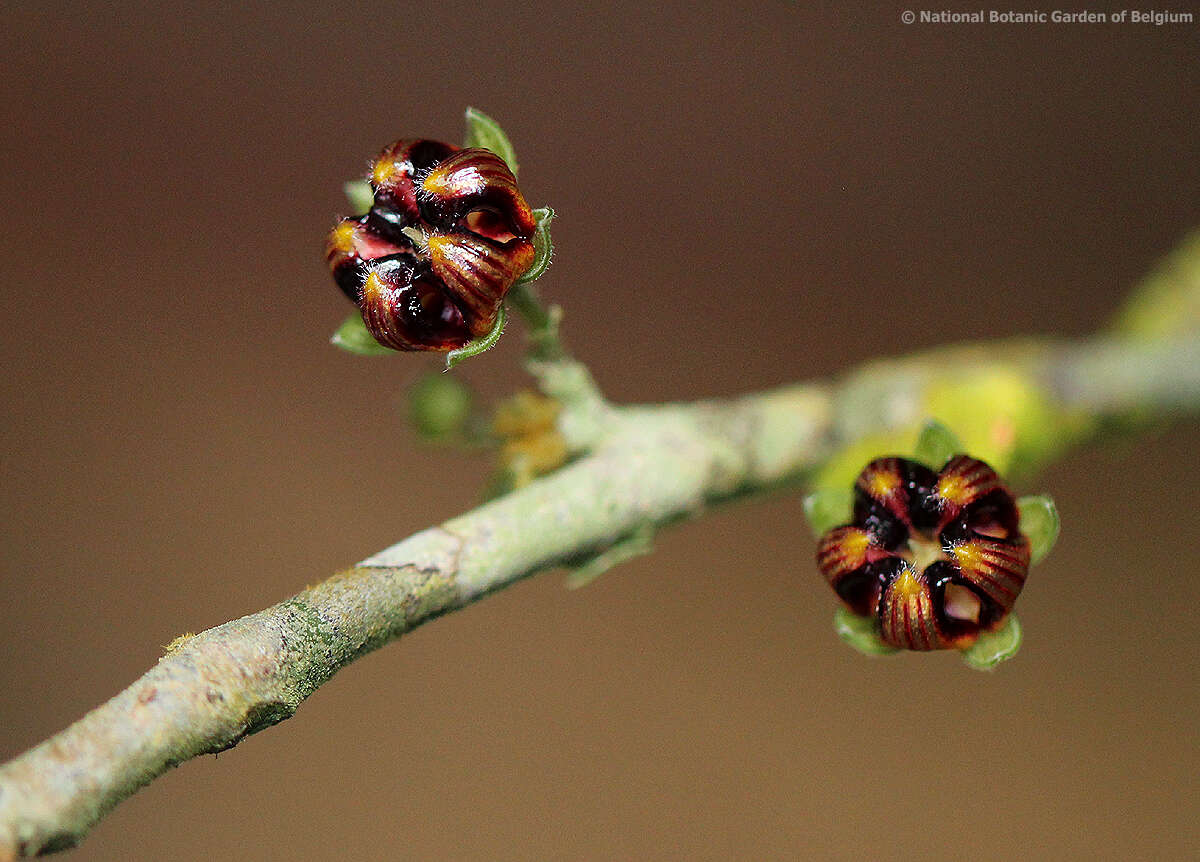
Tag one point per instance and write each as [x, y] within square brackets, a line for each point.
[483, 131]
[352, 336]
[479, 345]
[860, 633]
[1039, 521]
[936, 445]
[360, 195]
[828, 508]
[992, 648]
[543, 248]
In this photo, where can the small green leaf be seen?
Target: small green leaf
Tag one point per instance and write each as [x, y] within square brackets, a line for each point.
[359, 194]
[637, 543]
[860, 633]
[992, 648]
[828, 508]
[1039, 521]
[543, 248]
[483, 131]
[439, 406]
[498, 484]
[936, 445]
[479, 345]
[352, 336]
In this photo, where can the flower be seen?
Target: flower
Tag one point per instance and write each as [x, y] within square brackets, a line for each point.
[447, 235]
[936, 558]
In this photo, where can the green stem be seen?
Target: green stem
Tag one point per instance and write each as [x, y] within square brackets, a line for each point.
[545, 342]
[559, 376]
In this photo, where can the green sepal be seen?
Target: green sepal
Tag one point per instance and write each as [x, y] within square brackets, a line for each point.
[353, 337]
[827, 508]
[637, 543]
[543, 248]
[992, 648]
[483, 131]
[479, 345]
[861, 633]
[936, 445]
[360, 195]
[1039, 522]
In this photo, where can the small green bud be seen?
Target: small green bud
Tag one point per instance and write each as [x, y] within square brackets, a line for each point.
[439, 406]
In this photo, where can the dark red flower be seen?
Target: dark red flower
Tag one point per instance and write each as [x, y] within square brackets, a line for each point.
[936, 558]
[447, 235]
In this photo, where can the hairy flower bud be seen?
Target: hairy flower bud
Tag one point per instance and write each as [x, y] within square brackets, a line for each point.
[447, 235]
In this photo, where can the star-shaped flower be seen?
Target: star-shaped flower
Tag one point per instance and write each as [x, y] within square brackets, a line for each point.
[936, 558]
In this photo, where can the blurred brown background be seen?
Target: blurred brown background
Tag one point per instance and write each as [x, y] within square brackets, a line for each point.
[746, 195]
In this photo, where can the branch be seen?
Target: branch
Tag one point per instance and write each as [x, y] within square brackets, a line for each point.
[639, 468]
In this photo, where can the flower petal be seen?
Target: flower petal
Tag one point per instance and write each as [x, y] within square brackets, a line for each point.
[896, 486]
[394, 175]
[478, 272]
[963, 480]
[844, 556]
[350, 246]
[475, 179]
[996, 568]
[407, 309]
[907, 618]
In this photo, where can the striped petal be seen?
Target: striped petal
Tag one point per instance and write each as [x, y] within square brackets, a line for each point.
[995, 568]
[394, 174]
[353, 244]
[896, 486]
[406, 309]
[963, 481]
[907, 615]
[883, 481]
[474, 179]
[478, 273]
[844, 556]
